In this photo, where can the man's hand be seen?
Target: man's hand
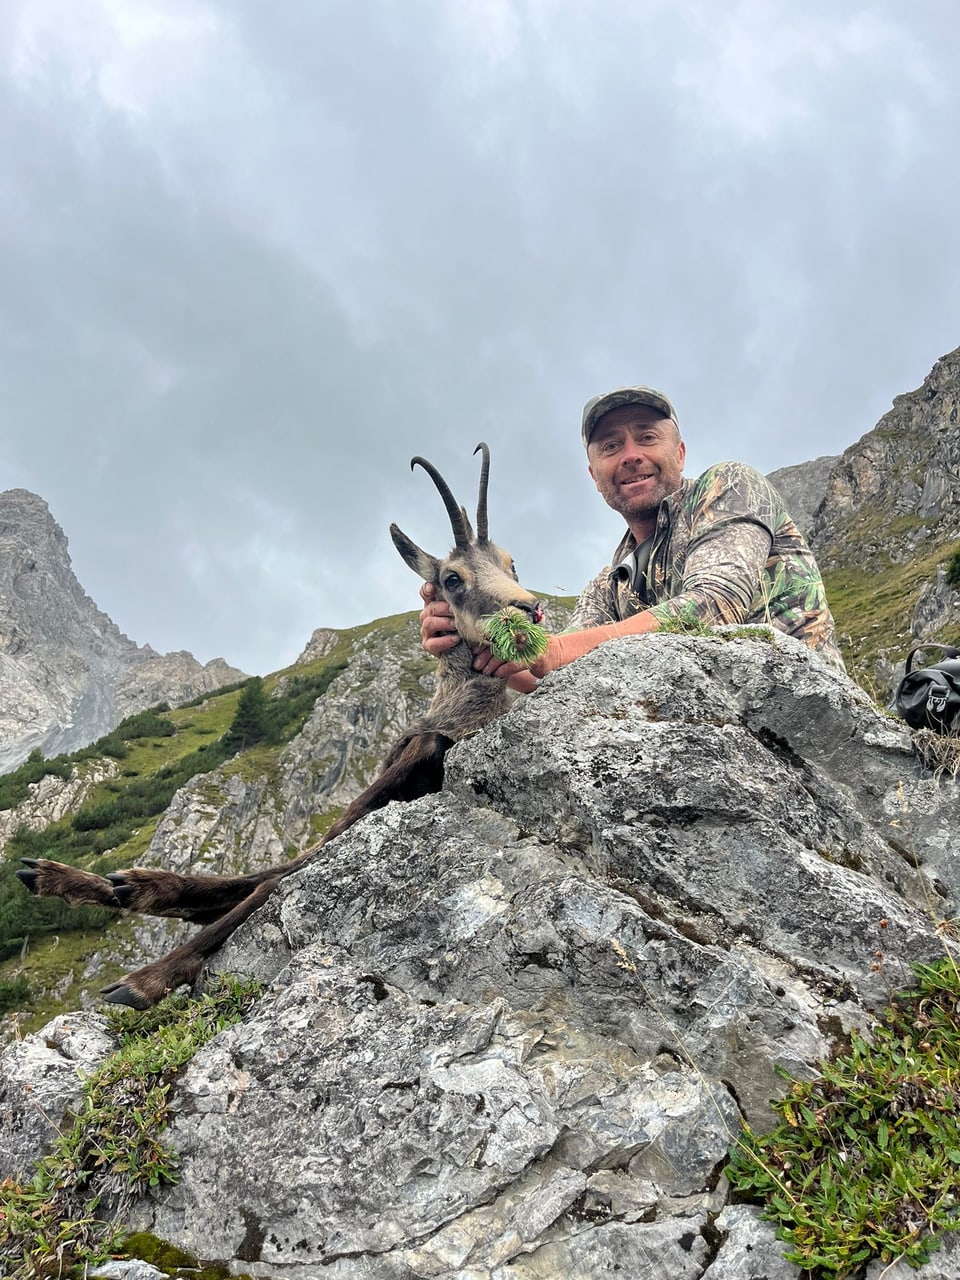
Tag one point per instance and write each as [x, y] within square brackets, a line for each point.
[438, 636]
[522, 679]
[437, 632]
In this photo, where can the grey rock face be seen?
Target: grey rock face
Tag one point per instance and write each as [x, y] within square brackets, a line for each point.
[67, 673]
[41, 1078]
[511, 1030]
[51, 798]
[889, 525]
[803, 487]
[907, 466]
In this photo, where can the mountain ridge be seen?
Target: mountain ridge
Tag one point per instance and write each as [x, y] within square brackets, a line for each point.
[68, 674]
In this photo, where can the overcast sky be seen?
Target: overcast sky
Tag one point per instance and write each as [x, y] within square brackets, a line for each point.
[255, 256]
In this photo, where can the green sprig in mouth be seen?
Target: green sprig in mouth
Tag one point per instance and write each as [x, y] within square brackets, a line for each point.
[512, 637]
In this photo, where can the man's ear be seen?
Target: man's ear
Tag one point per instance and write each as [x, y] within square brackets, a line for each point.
[418, 560]
[592, 476]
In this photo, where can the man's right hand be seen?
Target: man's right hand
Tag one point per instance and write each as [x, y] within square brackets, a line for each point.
[436, 623]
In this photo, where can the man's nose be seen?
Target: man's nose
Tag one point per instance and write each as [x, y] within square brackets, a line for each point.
[633, 452]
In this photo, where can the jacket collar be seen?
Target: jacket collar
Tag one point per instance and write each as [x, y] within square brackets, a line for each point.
[665, 513]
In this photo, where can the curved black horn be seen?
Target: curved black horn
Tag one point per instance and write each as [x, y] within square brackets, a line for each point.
[482, 499]
[460, 535]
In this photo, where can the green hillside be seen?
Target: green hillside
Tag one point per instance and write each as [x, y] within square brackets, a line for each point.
[155, 753]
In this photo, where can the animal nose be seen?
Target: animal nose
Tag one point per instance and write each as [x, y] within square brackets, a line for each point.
[533, 609]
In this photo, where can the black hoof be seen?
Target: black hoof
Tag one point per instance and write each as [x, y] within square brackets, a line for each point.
[30, 862]
[120, 993]
[122, 891]
[28, 879]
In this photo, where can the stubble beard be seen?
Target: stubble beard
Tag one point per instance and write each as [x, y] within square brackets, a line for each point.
[633, 508]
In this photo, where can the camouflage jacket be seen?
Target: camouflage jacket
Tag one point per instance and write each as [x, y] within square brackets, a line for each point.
[724, 551]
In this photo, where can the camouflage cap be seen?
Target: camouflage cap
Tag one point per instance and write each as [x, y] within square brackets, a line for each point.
[594, 409]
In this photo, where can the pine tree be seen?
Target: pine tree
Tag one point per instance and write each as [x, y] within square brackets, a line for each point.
[250, 723]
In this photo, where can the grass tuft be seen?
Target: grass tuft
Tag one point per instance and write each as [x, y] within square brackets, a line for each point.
[69, 1214]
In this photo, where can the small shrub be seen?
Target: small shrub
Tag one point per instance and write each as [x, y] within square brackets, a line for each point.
[866, 1161]
[14, 993]
[953, 571]
[13, 785]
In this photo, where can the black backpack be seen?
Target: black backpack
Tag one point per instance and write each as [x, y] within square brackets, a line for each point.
[930, 697]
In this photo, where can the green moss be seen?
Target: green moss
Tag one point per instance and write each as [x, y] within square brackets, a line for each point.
[686, 623]
[177, 1264]
[766, 634]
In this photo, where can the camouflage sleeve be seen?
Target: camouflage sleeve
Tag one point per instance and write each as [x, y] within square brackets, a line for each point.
[732, 523]
[594, 605]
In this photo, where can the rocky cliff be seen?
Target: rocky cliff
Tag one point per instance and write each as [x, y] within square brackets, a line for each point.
[509, 1031]
[888, 528]
[803, 488]
[884, 521]
[67, 673]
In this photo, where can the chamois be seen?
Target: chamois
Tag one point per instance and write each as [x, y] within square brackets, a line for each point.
[476, 579]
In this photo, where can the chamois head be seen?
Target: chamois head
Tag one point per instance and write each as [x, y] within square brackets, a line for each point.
[477, 578]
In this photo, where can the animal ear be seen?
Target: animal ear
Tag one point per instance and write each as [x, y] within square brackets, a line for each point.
[418, 560]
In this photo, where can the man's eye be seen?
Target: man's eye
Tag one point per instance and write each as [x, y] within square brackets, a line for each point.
[452, 581]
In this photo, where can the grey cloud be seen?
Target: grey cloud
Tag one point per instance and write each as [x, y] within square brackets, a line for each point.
[233, 310]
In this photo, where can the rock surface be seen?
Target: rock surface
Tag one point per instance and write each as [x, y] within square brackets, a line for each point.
[41, 1077]
[510, 1031]
[67, 673]
[888, 527]
[803, 487]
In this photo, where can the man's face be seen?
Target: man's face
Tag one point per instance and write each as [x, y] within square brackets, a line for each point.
[636, 458]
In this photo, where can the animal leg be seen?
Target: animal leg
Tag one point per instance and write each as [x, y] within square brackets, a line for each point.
[155, 892]
[149, 890]
[414, 768]
[147, 986]
[48, 879]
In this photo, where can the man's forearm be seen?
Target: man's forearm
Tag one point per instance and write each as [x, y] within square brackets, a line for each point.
[574, 644]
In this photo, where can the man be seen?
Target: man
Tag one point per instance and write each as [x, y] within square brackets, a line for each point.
[721, 549]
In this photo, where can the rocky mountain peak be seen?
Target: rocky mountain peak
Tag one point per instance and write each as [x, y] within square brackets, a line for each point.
[68, 674]
[888, 530]
[803, 487]
[907, 467]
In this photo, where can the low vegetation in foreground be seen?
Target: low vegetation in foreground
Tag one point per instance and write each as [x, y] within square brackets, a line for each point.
[70, 1214]
[865, 1162]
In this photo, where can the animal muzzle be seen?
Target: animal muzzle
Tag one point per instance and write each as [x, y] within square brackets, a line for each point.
[532, 608]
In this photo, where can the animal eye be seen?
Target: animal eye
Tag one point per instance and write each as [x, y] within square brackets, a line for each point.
[452, 581]
[513, 570]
